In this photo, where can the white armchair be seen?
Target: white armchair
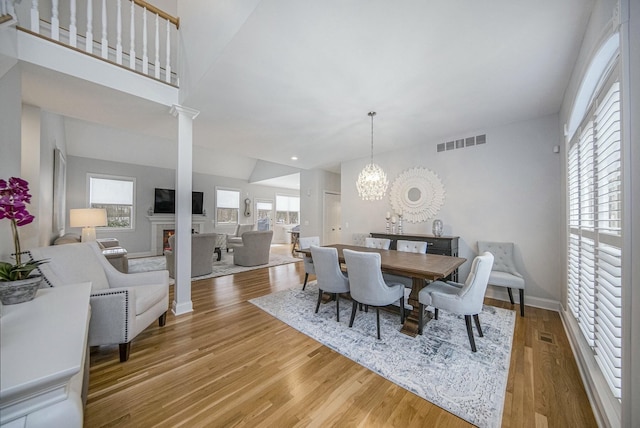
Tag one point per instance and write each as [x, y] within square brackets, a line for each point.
[122, 305]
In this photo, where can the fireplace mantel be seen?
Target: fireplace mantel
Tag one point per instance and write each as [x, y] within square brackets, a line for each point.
[161, 222]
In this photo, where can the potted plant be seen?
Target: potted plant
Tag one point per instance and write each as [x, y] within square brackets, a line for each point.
[17, 284]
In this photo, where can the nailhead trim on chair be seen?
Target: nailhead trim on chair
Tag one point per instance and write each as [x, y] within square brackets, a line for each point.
[44, 278]
[126, 309]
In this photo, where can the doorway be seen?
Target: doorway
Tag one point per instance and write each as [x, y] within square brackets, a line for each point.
[332, 219]
[264, 214]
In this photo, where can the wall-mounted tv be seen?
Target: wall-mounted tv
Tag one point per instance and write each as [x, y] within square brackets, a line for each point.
[165, 202]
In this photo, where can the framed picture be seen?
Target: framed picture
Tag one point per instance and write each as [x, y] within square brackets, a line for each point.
[59, 191]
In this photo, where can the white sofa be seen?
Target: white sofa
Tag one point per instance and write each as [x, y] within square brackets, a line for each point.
[235, 239]
[122, 305]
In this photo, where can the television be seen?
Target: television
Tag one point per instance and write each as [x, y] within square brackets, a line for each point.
[165, 202]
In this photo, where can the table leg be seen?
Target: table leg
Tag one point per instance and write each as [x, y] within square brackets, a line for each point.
[218, 251]
[410, 326]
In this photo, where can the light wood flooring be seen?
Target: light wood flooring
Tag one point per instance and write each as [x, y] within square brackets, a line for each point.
[230, 364]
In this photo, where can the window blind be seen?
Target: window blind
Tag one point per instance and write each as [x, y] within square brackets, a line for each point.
[594, 218]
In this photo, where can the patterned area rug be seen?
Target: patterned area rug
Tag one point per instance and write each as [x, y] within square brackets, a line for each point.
[220, 268]
[437, 366]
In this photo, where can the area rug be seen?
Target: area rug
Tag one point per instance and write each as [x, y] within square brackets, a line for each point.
[437, 366]
[220, 268]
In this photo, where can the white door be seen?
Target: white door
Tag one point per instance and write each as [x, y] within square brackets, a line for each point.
[332, 219]
[264, 214]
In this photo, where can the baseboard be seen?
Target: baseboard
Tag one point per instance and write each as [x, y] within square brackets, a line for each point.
[500, 293]
[606, 408]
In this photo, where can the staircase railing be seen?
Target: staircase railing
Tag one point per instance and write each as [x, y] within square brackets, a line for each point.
[124, 32]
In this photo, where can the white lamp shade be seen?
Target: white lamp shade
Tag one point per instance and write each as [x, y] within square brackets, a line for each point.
[88, 219]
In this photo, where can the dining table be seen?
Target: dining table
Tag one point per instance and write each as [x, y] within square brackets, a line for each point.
[417, 266]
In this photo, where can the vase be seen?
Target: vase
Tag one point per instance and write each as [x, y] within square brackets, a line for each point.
[436, 228]
[20, 291]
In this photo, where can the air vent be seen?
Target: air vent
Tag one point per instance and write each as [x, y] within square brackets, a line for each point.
[546, 337]
[462, 143]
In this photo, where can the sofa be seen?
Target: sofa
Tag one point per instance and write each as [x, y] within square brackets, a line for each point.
[255, 248]
[235, 239]
[203, 249]
[122, 305]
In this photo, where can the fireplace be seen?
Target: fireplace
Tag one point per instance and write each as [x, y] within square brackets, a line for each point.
[163, 226]
[166, 234]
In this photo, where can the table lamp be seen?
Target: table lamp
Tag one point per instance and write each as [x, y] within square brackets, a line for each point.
[88, 219]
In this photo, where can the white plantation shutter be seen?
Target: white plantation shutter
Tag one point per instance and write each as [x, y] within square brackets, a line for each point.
[594, 252]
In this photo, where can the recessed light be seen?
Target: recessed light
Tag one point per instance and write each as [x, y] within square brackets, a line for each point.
[294, 157]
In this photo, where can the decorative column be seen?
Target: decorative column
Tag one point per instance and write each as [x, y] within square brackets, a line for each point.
[184, 169]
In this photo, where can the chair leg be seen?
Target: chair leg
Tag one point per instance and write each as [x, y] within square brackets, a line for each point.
[319, 300]
[521, 302]
[420, 318]
[163, 319]
[124, 351]
[337, 307]
[467, 320]
[402, 310]
[477, 320]
[436, 313]
[510, 295]
[378, 321]
[306, 277]
[353, 313]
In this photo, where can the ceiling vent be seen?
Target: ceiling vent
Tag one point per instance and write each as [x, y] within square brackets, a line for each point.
[462, 143]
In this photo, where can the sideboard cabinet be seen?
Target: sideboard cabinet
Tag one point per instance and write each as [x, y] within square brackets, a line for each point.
[443, 245]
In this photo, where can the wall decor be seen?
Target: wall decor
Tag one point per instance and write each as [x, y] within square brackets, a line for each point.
[418, 194]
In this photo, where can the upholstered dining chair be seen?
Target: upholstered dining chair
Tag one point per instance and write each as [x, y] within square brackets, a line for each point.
[409, 247]
[329, 277]
[306, 243]
[368, 287]
[379, 243]
[504, 272]
[461, 299]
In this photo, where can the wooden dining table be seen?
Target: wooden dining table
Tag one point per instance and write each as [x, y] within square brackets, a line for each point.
[419, 267]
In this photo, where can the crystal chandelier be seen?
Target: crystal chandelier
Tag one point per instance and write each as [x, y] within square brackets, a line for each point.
[372, 182]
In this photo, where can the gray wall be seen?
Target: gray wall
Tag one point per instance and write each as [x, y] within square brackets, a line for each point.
[147, 179]
[508, 189]
[313, 184]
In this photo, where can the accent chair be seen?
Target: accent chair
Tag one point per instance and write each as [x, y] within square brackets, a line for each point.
[255, 248]
[504, 272]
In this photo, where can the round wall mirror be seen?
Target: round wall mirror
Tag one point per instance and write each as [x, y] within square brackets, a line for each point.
[414, 194]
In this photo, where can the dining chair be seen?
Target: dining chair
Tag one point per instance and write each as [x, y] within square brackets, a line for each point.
[461, 299]
[504, 272]
[329, 277]
[379, 243]
[306, 243]
[367, 285]
[409, 247]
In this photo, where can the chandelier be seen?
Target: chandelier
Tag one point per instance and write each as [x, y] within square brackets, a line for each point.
[372, 182]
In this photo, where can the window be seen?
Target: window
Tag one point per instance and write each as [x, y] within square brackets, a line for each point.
[287, 209]
[595, 231]
[116, 195]
[227, 206]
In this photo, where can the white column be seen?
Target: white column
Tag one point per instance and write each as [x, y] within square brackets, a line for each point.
[184, 170]
[73, 29]
[132, 38]
[35, 17]
[89, 34]
[55, 21]
[104, 42]
[119, 32]
[145, 57]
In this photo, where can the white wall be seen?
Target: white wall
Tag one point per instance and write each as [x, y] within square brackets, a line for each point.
[10, 143]
[506, 190]
[148, 178]
[313, 184]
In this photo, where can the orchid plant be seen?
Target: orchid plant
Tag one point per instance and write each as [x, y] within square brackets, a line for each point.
[14, 195]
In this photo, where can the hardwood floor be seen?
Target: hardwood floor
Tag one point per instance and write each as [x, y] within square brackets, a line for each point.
[230, 364]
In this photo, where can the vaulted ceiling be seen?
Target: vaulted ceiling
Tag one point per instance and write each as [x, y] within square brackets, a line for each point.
[274, 79]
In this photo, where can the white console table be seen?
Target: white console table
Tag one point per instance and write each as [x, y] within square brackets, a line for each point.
[43, 349]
